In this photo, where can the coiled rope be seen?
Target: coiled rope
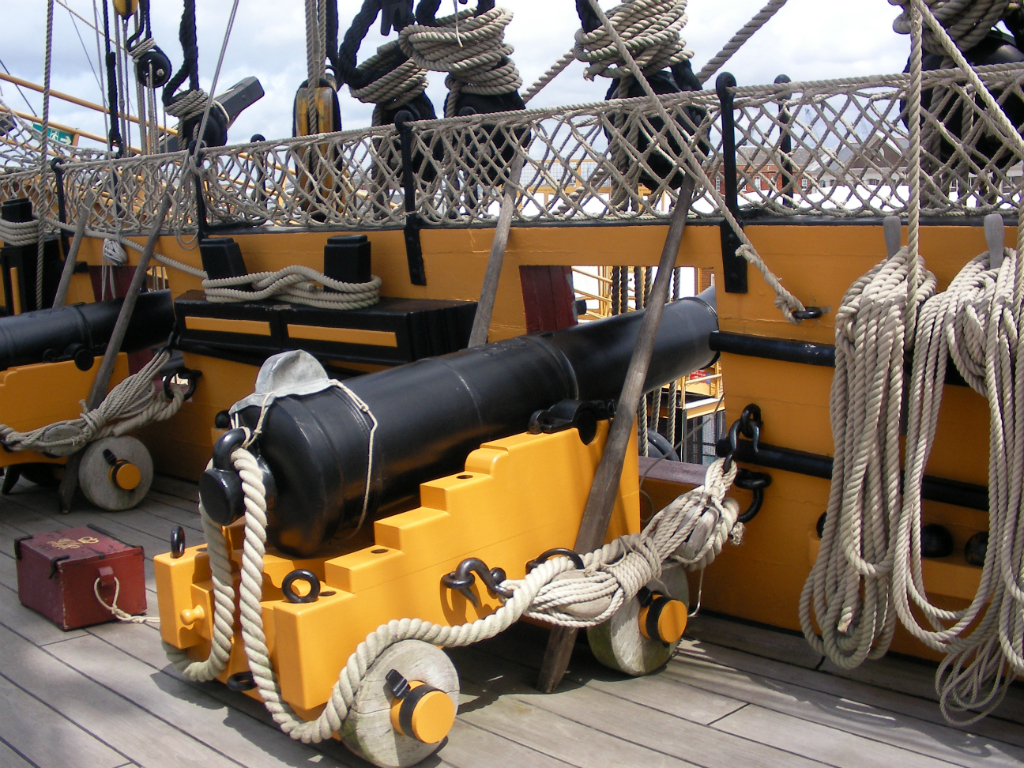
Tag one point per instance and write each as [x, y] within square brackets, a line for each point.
[690, 531]
[296, 284]
[19, 233]
[470, 48]
[966, 21]
[849, 586]
[650, 30]
[869, 563]
[978, 322]
[130, 405]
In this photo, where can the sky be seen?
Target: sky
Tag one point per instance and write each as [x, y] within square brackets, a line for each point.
[807, 40]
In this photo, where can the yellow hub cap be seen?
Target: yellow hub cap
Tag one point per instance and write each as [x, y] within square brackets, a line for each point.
[664, 619]
[125, 476]
[425, 713]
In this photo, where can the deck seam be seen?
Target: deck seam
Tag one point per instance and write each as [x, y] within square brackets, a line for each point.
[687, 655]
[57, 712]
[21, 754]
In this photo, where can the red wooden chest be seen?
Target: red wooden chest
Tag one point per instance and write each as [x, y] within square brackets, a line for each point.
[57, 574]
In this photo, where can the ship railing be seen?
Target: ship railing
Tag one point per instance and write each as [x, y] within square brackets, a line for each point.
[611, 162]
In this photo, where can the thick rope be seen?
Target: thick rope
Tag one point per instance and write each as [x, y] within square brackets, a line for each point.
[966, 21]
[401, 81]
[650, 30]
[470, 48]
[297, 285]
[737, 41]
[223, 609]
[130, 405]
[691, 531]
[19, 233]
[848, 588]
[977, 321]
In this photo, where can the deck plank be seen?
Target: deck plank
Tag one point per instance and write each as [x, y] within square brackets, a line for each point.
[9, 758]
[735, 694]
[59, 742]
[644, 728]
[139, 736]
[818, 741]
[188, 707]
[882, 696]
[851, 717]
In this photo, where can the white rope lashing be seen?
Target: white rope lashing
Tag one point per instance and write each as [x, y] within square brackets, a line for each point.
[297, 285]
[737, 41]
[470, 48]
[690, 531]
[650, 30]
[19, 233]
[130, 405]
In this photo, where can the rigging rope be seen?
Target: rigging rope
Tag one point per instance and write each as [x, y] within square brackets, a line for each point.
[739, 39]
[44, 143]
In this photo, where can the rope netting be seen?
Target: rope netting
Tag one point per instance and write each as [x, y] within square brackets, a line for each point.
[848, 159]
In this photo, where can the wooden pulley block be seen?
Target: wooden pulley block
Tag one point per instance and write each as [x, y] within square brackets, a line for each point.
[116, 473]
[126, 8]
[642, 635]
[404, 707]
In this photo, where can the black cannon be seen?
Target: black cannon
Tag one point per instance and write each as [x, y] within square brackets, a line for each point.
[81, 331]
[426, 417]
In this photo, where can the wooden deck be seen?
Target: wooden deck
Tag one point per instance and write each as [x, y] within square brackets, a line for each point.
[734, 695]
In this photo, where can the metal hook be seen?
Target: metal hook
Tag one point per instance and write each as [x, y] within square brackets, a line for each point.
[755, 482]
[462, 579]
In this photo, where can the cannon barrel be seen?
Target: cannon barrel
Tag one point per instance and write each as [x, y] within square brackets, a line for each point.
[430, 415]
[83, 330]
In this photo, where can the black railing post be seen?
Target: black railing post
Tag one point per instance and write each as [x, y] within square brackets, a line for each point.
[413, 222]
[734, 267]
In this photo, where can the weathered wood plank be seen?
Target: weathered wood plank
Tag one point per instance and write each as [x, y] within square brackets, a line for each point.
[188, 707]
[45, 737]
[139, 736]
[25, 622]
[852, 717]
[821, 742]
[752, 639]
[472, 747]
[630, 726]
[9, 758]
[173, 486]
[887, 697]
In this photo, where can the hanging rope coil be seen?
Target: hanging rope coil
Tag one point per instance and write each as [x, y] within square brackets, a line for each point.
[130, 405]
[966, 21]
[848, 588]
[297, 285]
[650, 30]
[470, 48]
[977, 321]
[691, 531]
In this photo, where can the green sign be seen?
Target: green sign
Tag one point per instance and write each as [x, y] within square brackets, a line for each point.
[61, 137]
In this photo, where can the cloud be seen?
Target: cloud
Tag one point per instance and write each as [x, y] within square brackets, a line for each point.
[807, 40]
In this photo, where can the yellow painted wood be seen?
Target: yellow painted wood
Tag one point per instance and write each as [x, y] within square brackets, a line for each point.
[486, 511]
[221, 325]
[32, 396]
[343, 335]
